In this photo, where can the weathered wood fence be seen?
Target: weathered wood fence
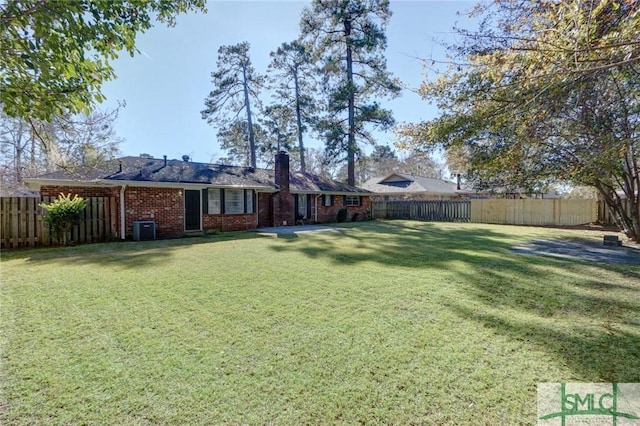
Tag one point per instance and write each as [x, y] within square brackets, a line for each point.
[604, 215]
[21, 222]
[423, 210]
[549, 212]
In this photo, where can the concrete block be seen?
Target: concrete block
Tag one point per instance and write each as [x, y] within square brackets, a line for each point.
[611, 240]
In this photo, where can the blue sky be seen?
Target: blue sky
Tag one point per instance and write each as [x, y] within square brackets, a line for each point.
[164, 87]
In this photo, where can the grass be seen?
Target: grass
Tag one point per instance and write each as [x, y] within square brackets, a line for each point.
[382, 322]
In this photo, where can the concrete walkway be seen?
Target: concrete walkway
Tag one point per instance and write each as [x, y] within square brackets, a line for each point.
[295, 230]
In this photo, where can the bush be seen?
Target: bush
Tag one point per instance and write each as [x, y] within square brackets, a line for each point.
[63, 214]
[354, 218]
[342, 215]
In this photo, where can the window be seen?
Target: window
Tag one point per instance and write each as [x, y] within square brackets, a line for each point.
[248, 201]
[302, 205]
[228, 201]
[327, 200]
[214, 201]
[233, 201]
[351, 200]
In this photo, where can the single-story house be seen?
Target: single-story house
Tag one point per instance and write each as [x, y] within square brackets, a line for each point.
[400, 186]
[184, 197]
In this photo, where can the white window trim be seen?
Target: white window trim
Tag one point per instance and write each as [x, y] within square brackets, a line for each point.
[352, 197]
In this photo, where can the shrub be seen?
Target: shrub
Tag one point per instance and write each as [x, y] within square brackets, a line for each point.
[354, 218]
[342, 215]
[63, 214]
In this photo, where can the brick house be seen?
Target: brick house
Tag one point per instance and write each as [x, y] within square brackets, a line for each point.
[184, 197]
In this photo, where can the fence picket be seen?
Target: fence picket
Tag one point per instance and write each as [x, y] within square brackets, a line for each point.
[21, 223]
[423, 210]
[558, 212]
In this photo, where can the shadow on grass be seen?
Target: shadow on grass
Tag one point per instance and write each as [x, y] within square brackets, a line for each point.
[592, 325]
[595, 304]
[603, 354]
[400, 243]
[128, 254]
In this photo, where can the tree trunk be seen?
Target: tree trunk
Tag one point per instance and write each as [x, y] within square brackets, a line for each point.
[299, 120]
[627, 222]
[351, 141]
[252, 141]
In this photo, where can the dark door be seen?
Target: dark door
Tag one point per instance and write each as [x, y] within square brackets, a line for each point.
[192, 212]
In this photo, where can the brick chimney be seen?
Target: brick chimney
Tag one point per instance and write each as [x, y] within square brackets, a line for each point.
[282, 171]
[283, 202]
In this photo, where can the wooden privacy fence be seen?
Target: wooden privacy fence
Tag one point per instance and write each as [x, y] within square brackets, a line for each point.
[423, 210]
[604, 214]
[21, 222]
[550, 212]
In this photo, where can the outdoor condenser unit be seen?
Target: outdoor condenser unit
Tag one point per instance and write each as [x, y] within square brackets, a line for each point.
[144, 230]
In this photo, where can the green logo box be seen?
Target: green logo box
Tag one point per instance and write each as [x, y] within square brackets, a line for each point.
[573, 404]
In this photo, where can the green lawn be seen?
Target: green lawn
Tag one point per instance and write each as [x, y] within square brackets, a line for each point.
[383, 322]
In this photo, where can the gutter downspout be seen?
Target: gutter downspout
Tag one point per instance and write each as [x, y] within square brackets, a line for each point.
[122, 218]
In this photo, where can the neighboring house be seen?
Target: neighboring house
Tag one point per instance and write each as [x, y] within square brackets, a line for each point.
[521, 193]
[16, 190]
[400, 186]
[184, 197]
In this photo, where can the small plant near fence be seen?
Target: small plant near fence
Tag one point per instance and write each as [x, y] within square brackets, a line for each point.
[62, 215]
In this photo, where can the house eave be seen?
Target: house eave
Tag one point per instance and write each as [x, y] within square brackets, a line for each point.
[111, 183]
[450, 194]
[319, 192]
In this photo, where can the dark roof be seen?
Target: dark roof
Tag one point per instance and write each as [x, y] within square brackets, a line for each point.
[16, 190]
[142, 169]
[306, 182]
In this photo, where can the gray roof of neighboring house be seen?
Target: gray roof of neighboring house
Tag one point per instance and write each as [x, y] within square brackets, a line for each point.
[143, 169]
[400, 183]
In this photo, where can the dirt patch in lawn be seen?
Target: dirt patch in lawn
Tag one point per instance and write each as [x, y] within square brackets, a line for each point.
[581, 250]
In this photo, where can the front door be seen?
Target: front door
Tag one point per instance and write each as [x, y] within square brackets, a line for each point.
[192, 210]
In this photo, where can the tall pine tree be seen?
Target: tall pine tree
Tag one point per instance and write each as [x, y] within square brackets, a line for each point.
[348, 41]
[292, 77]
[236, 87]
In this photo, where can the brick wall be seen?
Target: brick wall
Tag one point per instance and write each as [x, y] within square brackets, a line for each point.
[165, 206]
[81, 191]
[283, 205]
[330, 213]
[265, 215]
[230, 222]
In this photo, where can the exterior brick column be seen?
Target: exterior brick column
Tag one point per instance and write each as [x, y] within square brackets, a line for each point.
[283, 202]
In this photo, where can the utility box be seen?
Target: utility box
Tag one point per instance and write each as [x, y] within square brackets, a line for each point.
[611, 240]
[144, 230]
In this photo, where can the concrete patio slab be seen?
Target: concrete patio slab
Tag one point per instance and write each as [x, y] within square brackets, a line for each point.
[581, 250]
